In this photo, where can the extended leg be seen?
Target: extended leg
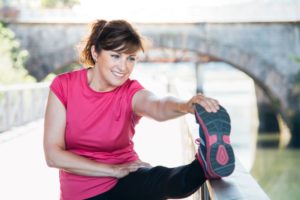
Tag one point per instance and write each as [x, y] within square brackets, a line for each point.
[158, 183]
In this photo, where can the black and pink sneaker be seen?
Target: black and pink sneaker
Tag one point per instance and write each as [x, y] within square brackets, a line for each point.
[215, 153]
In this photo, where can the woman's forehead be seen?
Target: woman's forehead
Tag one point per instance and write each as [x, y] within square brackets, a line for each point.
[126, 53]
[128, 48]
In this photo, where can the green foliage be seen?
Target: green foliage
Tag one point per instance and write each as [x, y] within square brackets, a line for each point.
[12, 59]
[49, 77]
[67, 68]
[70, 3]
[59, 3]
[49, 3]
[297, 59]
[296, 78]
[294, 94]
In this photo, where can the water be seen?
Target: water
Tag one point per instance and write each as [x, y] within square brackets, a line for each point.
[277, 170]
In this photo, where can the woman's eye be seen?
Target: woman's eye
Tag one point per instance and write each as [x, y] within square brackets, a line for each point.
[115, 56]
[132, 59]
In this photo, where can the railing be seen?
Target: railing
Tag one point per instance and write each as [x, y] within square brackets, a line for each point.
[20, 104]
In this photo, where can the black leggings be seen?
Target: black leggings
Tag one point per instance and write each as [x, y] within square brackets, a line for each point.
[157, 183]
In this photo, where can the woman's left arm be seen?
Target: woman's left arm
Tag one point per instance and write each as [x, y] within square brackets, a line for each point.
[145, 103]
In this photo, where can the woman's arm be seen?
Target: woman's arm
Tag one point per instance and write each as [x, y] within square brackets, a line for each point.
[58, 157]
[145, 103]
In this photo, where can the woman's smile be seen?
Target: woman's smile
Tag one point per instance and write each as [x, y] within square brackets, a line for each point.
[118, 74]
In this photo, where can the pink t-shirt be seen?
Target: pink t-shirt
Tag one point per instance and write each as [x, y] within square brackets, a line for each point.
[100, 126]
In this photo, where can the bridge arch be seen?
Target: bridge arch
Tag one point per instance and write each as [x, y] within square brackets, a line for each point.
[268, 78]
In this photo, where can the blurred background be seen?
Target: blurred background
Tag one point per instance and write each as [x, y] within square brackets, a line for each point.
[245, 53]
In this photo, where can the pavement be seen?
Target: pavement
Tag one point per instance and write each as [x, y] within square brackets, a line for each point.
[25, 175]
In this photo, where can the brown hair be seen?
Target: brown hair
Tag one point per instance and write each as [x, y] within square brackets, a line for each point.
[117, 35]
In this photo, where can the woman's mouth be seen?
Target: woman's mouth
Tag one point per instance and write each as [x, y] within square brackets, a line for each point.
[118, 74]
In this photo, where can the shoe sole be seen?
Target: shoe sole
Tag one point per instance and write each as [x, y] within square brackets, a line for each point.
[216, 129]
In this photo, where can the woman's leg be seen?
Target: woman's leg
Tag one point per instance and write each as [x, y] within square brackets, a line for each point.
[157, 183]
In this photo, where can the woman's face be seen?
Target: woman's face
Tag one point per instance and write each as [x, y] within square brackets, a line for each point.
[114, 68]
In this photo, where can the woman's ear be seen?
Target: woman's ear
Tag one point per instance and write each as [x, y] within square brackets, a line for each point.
[94, 53]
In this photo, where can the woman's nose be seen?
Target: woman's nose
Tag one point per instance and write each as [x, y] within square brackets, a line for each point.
[123, 64]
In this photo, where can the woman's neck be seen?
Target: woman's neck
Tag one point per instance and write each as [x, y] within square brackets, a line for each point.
[94, 81]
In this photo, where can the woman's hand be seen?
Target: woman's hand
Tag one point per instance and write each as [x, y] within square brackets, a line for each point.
[124, 169]
[209, 104]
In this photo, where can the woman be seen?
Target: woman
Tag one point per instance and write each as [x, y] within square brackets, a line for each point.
[90, 118]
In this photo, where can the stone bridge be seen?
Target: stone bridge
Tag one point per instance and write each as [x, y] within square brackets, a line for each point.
[263, 50]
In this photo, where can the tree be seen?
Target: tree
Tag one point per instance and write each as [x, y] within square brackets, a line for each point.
[59, 3]
[12, 59]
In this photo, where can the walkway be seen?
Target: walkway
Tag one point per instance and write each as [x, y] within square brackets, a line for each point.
[25, 175]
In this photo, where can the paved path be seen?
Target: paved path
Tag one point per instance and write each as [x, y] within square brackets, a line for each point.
[24, 174]
[23, 171]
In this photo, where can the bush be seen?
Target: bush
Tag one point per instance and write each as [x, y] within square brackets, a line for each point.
[12, 59]
[59, 3]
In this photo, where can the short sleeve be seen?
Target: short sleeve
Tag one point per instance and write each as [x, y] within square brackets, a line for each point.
[135, 86]
[59, 87]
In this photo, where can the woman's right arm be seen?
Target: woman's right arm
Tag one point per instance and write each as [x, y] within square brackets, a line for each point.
[57, 156]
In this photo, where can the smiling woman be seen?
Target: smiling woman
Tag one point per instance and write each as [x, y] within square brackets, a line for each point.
[90, 122]
[111, 49]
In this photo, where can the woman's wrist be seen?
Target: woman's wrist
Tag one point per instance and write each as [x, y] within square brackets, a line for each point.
[107, 170]
[112, 171]
[183, 107]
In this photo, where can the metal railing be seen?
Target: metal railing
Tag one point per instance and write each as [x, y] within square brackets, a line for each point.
[20, 104]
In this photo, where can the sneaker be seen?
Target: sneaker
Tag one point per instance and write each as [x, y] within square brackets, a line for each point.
[215, 153]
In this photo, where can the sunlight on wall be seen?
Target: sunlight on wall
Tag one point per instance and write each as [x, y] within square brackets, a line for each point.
[155, 10]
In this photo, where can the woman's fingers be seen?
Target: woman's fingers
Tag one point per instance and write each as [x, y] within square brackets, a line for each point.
[209, 104]
[145, 164]
[140, 164]
[127, 168]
